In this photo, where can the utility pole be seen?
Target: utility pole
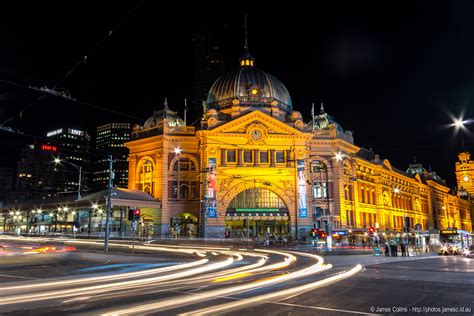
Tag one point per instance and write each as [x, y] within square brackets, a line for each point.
[109, 204]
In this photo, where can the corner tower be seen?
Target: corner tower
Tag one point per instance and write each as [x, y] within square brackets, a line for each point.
[465, 172]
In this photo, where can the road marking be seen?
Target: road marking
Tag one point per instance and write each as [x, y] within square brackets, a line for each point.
[323, 308]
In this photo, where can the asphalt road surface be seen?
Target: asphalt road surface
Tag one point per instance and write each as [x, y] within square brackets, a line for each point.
[169, 280]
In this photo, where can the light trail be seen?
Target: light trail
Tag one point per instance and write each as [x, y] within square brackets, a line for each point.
[109, 277]
[110, 287]
[267, 298]
[162, 283]
[200, 297]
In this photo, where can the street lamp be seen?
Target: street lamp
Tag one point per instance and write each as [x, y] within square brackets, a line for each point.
[79, 168]
[461, 122]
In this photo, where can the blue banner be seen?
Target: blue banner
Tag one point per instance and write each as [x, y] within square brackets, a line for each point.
[303, 211]
[211, 198]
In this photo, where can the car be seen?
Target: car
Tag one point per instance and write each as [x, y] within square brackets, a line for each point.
[449, 250]
[468, 252]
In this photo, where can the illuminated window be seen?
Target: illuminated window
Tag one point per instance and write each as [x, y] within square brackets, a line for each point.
[247, 62]
[257, 198]
[145, 176]
[184, 164]
[231, 155]
[280, 156]
[320, 191]
[193, 191]
[254, 91]
[183, 192]
[248, 156]
[242, 63]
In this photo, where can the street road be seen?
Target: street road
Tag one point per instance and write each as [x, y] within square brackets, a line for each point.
[191, 279]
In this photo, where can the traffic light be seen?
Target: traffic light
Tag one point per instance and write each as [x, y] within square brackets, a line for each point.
[314, 231]
[134, 215]
[371, 230]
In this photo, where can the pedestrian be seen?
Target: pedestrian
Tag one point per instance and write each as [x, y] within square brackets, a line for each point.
[387, 254]
[402, 248]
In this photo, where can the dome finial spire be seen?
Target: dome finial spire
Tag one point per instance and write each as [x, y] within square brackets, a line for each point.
[247, 59]
[246, 45]
[322, 107]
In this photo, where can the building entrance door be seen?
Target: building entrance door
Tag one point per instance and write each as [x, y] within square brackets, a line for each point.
[257, 213]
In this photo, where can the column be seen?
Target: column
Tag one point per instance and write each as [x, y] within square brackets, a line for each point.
[272, 157]
[255, 157]
[239, 157]
[288, 158]
[223, 157]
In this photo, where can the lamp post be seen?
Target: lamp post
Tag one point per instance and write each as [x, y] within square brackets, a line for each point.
[79, 168]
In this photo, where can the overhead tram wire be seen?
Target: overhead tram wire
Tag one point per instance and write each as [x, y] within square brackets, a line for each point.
[83, 60]
[69, 99]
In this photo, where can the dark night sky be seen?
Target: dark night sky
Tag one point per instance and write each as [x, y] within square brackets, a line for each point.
[390, 71]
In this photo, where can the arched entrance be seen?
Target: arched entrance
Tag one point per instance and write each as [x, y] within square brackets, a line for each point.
[257, 213]
[183, 225]
[145, 226]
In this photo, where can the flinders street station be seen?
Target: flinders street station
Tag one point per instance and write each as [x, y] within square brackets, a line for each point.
[256, 167]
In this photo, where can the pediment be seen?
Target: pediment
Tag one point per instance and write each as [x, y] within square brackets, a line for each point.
[256, 118]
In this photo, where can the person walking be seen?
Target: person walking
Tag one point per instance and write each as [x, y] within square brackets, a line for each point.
[386, 249]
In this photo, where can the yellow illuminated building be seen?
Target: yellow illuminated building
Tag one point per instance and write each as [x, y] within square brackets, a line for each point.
[256, 168]
[465, 173]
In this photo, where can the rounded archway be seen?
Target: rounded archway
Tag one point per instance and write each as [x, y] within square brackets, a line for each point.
[183, 225]
[257, 212]
[145, 175]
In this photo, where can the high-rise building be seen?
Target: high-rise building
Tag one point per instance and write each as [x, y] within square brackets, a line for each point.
[37, 176]
[208, 65]
[6, 181]
[110, 141]
[75, 151]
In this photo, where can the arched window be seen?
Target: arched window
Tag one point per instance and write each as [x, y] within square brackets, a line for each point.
[184, 192]
[184, 164]
[145, 176]
[257, 198]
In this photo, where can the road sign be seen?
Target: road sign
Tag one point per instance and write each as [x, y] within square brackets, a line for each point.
[212, 212]
[134, 225]
[303, 213]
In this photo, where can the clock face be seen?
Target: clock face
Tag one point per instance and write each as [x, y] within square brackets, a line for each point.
[465, 179]
[256, 134]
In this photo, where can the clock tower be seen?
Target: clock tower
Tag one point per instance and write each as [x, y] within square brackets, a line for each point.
[465, 172]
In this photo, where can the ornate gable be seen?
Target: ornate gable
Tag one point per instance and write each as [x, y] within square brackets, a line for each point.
[256, 122]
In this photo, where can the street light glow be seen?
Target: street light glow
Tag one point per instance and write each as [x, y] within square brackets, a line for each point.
[339, 156]
[396, 190]
[458, 123]
[95, 206]
[57, 160]
[177, 150]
